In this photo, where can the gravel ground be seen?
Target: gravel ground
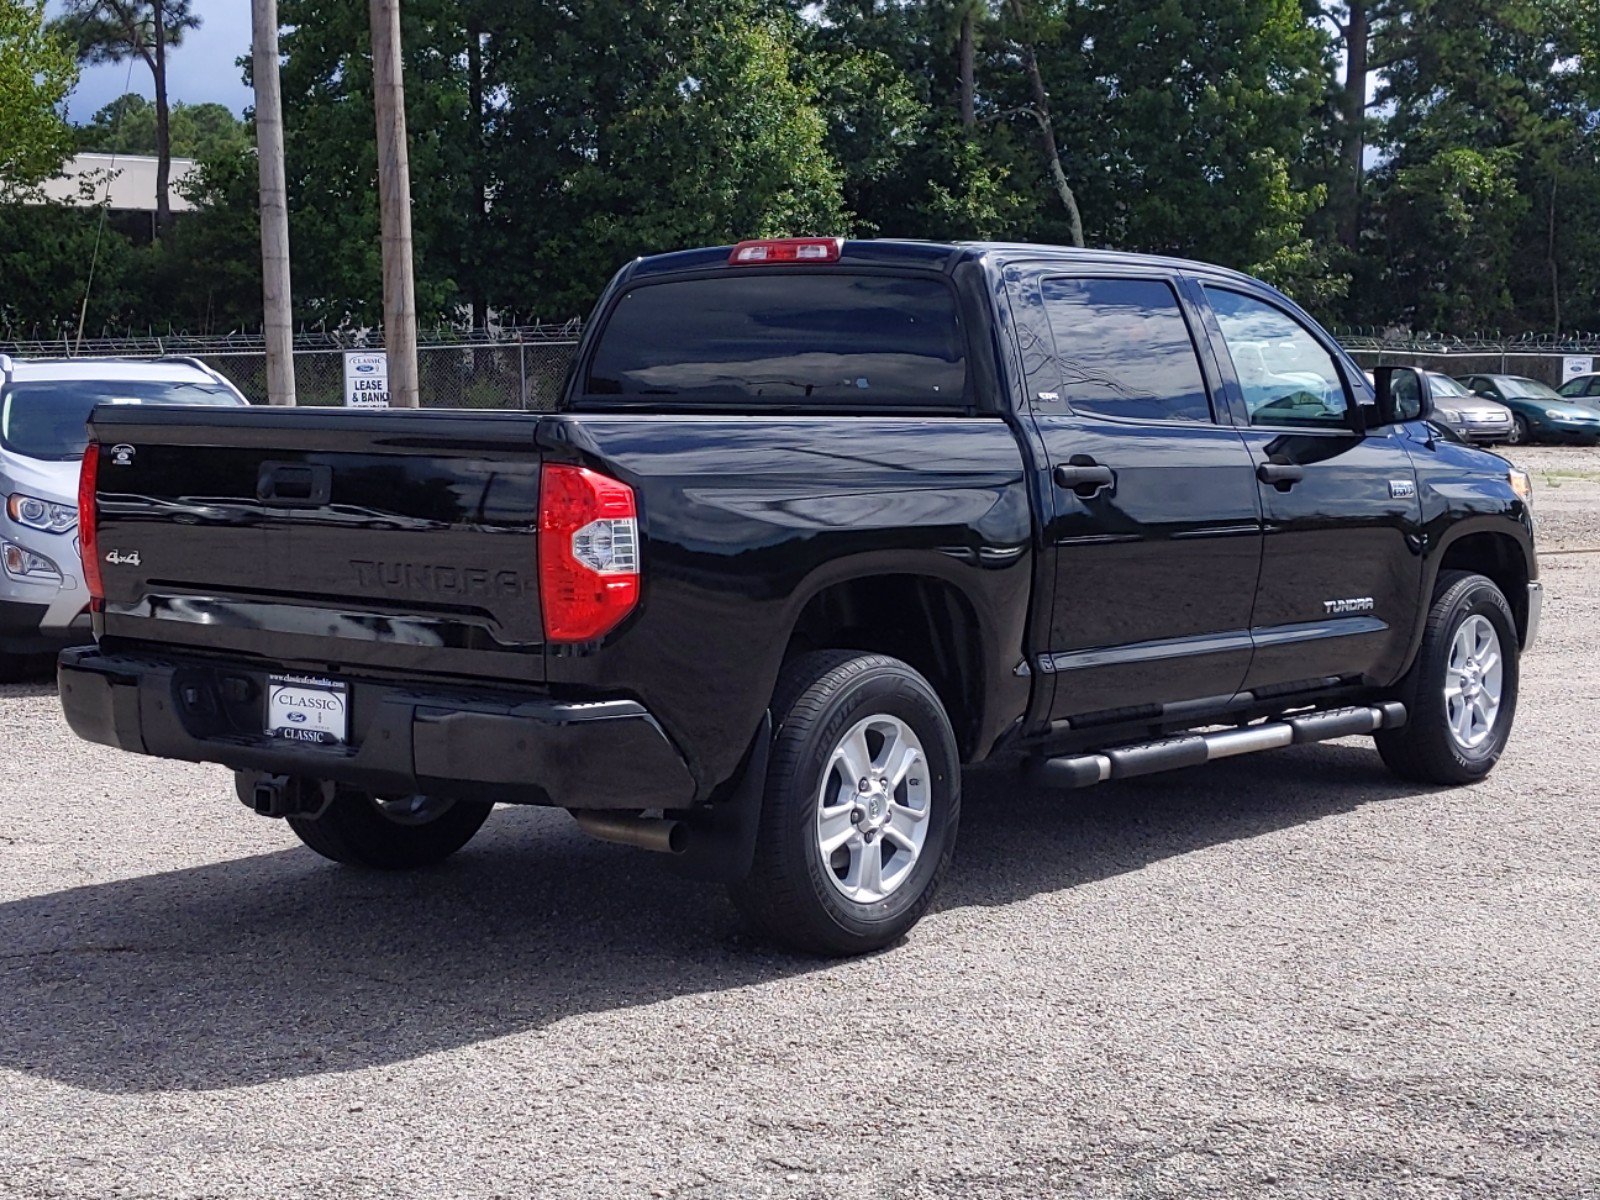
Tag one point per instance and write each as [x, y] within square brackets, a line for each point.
[1285, 975]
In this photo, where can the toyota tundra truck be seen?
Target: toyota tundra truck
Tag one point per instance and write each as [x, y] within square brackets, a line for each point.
[815, 524]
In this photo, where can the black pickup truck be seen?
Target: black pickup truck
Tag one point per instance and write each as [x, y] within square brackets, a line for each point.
[816, 523]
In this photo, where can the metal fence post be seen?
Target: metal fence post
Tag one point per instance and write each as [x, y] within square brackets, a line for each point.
[522, 372]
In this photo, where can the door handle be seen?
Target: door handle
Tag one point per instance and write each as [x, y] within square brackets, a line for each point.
[294, 485]
[1084, 478]
[1282, 476]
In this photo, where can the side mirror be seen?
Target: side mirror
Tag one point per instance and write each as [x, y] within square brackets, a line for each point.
[1404, 394]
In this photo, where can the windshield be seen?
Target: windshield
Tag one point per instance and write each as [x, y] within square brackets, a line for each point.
[45, 419]
[1443, 385]
[782, 338]
[1528, 389]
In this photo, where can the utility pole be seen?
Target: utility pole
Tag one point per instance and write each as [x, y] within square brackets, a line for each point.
[278, 314]
[394, 201]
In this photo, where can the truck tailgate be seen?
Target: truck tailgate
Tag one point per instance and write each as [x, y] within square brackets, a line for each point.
[402, 540]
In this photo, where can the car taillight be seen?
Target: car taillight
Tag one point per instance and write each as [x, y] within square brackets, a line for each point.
[787, 250]
[88, 477]
[588, 553]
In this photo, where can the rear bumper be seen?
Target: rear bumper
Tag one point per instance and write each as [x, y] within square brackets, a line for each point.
[480, 745]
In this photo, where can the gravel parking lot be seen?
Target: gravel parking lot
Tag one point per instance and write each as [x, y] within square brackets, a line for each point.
[1286, 975]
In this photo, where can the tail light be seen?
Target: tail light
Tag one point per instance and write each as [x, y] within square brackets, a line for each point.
[88, 534]
[787, 250]
[588, 553]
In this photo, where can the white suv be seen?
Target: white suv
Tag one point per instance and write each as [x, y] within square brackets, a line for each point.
[43, 407]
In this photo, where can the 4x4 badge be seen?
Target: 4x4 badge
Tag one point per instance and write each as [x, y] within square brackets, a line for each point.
[118, 559]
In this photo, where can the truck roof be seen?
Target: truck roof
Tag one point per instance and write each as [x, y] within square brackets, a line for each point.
[933, 256]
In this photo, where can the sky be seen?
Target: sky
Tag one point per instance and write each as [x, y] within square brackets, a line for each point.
[202, 70]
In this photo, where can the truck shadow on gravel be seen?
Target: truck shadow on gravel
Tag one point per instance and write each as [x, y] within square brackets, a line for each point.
[280, 965]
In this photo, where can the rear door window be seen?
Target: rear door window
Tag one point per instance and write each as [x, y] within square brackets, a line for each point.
[1124, 349]
[785, 339]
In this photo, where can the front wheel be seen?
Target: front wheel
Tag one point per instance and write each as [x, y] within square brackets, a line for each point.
[361, 830]
[1519, 432]
[1461, 693]
[863, 797]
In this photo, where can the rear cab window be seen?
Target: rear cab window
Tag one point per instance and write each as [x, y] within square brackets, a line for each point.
[789, 340]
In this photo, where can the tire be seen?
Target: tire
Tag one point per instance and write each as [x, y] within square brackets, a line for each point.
[356, 830]
[830, 906]
[1468, 611]
[1519, 432]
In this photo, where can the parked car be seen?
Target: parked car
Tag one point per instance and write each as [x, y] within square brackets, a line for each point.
[1540, 413]
[817, 523]
[43, 407]
[1582, 388]
[1471, 417]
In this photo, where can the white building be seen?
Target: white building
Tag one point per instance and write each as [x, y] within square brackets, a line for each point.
[130, 178]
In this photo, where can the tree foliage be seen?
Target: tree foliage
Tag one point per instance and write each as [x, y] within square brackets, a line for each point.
[1433, 163]
[36, 73]
[128, 126]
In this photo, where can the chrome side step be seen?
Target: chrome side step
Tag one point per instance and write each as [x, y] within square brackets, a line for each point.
[1192, 749]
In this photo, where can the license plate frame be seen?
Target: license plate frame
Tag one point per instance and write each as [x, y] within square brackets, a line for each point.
[308, 709]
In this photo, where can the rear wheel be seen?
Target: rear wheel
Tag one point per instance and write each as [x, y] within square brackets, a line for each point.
[362, 830]
[1461, 693]
[862, 802]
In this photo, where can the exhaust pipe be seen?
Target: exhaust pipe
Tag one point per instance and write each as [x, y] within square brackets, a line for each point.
[664, 836]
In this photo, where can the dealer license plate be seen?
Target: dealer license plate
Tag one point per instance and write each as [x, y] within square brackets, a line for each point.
[304, 708]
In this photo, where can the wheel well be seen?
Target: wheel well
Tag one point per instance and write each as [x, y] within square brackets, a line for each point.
[1500, 559]
[918, 619]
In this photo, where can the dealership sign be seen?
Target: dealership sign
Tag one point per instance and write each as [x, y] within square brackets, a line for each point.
[1574, 365]
[366, 379]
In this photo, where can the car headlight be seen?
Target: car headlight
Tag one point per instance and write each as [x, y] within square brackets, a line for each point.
[1449, 414]
[1522, 485]
[43, 515]
[21, 563]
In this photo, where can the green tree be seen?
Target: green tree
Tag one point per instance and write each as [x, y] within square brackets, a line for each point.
[117, 30]
[1183, 118]
[896, 86]
[1486, 192]
[549, 145]
[128, 126]
[46, 249]
[332, 157]
[630, 127]
[36, 73]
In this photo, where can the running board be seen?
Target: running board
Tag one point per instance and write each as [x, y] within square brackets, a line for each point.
[1192, 749]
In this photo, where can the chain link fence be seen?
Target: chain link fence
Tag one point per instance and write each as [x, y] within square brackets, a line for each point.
[1534, 357]
[521, 367]
[526, 366]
